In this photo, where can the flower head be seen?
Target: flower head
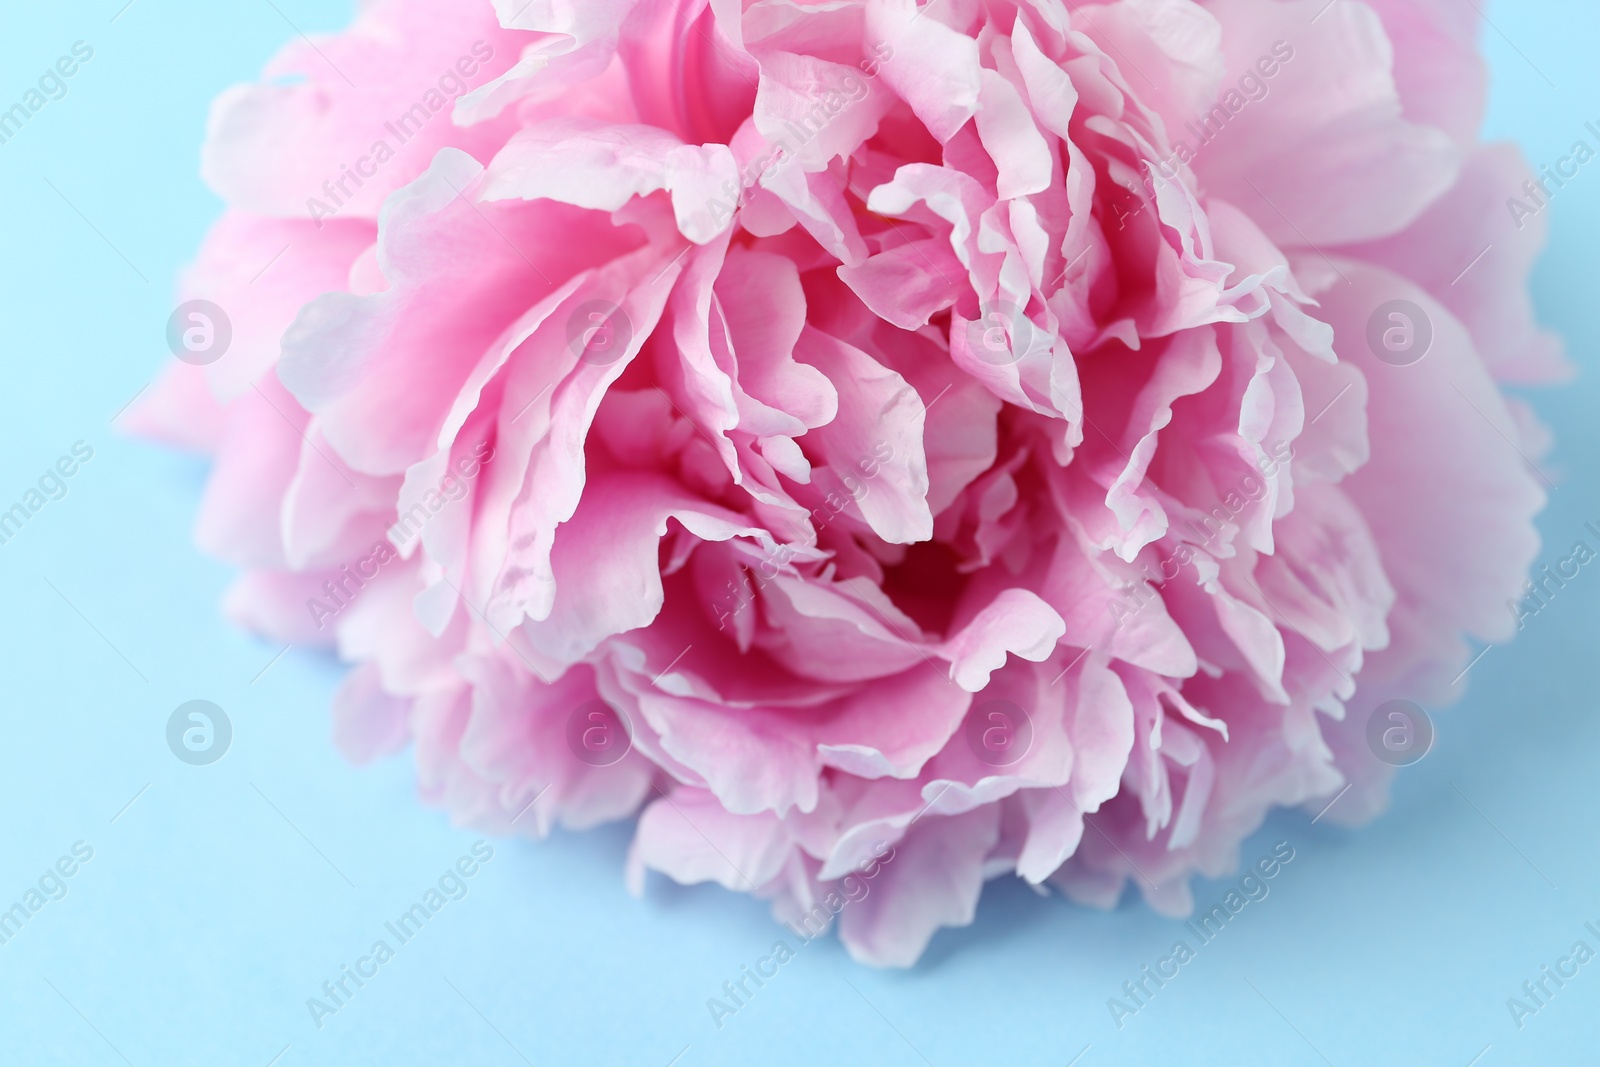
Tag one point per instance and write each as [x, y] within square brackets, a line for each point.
[947, 441]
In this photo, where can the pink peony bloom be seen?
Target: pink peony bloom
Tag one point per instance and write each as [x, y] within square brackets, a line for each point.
[921, 443]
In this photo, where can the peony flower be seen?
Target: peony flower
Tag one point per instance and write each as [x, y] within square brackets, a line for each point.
[873, 444]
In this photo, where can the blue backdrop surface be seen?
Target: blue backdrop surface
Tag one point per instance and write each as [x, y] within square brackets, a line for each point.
[204, 905]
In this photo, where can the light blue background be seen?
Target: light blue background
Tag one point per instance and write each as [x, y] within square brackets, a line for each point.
[224, 896]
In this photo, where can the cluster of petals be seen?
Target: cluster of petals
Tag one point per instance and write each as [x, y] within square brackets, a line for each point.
[802, 382]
